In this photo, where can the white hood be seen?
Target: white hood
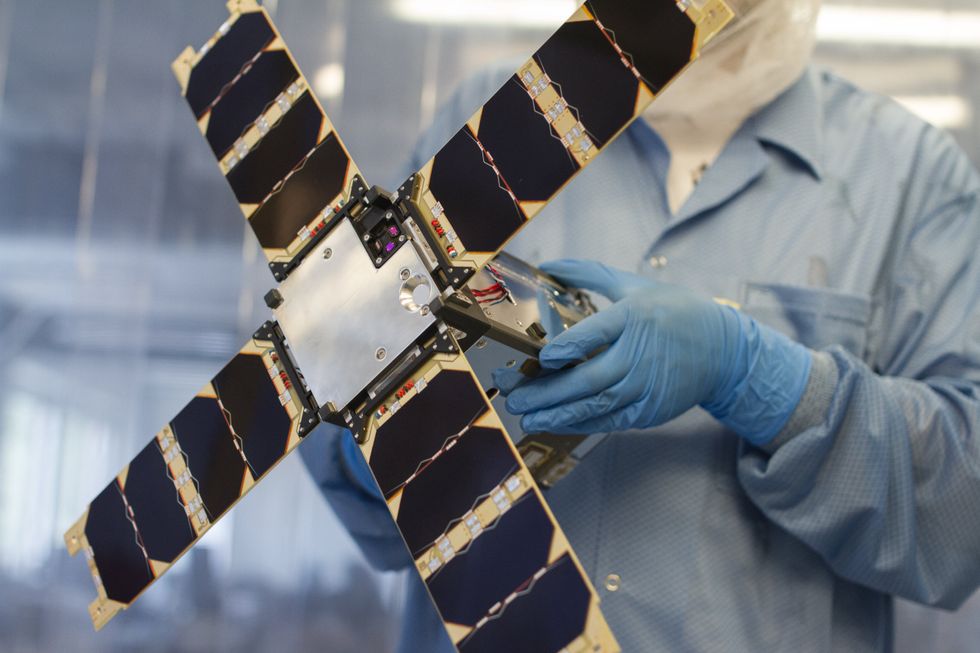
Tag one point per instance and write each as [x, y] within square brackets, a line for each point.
[746, 68]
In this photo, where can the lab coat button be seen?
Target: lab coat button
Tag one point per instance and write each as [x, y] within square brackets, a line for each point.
[613, 582]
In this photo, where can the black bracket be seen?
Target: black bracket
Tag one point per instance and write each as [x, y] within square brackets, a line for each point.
[282, 269]
[378, 223]
[309, 418]
[446, 274]
[355, 415]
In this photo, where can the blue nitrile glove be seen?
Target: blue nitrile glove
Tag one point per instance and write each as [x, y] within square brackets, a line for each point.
[355, 466]
[668, 351]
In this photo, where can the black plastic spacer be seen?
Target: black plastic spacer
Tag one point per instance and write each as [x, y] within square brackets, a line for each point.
[273, 299]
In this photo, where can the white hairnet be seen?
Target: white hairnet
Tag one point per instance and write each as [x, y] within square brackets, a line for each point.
[757, 58]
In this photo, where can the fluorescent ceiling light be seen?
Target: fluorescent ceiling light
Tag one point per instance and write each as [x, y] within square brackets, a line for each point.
[328, 81]
[933, 28]
[946, 111]
[540, 14]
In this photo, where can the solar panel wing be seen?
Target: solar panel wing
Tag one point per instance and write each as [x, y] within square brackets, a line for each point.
[588, 81]
[484, 541]
[277, 148]
[199, 465]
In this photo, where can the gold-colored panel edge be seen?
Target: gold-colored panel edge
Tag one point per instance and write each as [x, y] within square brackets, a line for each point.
[597, 630]
[326, 128]
[709, 21]
[182, 67]
[103, 609]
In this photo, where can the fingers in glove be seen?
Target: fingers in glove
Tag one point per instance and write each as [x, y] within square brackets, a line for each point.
[566, 386]
[619, 420]
[584, 338]
[582, 411]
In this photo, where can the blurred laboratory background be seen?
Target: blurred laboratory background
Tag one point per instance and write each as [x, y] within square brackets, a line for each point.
[127, 278]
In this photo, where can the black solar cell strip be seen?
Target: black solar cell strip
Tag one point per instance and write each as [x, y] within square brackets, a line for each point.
[530, 157]
[548, 618]
[245, 38]
[158, 510]
[591, 77]
[305, 193]
[248, 98]
[450, 402]
[252, 401]
[496, 564]
[281, 150]
[482, 213]
[216, 465]
[122, 565]
[657, 36]
[446, 489]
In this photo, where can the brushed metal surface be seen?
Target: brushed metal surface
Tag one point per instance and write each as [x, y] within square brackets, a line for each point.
[345, 320]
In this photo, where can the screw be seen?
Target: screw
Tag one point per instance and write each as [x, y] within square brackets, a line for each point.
[511, 363]
[380, 354]
[401, 238]
[519, 323]
[481, 343]
[327, 253]
[389, 215]
[404, 274]
[378, 260]
[424, 311]
[366, 237]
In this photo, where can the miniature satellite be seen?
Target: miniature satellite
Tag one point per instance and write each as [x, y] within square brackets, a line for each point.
[383, 301]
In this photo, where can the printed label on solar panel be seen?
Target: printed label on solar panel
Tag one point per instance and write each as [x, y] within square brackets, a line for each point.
[483, 539]
[281, 155]
[594, 76]
[197, 467]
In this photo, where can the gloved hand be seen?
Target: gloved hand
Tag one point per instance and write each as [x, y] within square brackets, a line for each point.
[668, 351]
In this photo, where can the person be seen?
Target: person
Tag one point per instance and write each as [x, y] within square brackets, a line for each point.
[786, 459]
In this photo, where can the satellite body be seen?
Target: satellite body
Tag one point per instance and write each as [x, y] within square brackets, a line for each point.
[391, 310]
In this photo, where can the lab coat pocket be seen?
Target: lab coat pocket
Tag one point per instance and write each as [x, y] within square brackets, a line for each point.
[815, 317]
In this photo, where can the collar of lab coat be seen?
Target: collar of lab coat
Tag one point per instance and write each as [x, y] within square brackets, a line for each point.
[792, 123]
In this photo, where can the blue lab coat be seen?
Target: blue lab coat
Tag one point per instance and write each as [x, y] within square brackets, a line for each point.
[839, 218]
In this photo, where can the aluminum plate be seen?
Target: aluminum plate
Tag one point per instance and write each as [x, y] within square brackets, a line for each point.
[339, 314]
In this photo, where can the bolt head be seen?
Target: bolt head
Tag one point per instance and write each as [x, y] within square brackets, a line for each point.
[424, 311]
[381, 353]
[404, 274]
[327, 253]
